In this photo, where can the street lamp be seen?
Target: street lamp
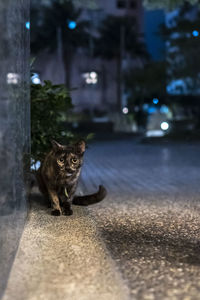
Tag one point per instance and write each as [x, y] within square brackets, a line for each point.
[72, 25]
[155, 100]
[164, 126]
[28, 25]
[125, 110]
[195, 33]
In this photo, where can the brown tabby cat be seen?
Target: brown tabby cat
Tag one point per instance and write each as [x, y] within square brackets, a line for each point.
[58, 177]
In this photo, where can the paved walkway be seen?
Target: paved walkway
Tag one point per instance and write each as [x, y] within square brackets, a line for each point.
[150, 221]
[149, 226]
[62, 258]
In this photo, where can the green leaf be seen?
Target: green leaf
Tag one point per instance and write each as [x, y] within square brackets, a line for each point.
[48, 103]
[90, 136]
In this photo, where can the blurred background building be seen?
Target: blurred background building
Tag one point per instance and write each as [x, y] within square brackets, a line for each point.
[124, 64]
[93, 77]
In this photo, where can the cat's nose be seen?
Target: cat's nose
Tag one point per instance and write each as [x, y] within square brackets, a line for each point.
[68, 170]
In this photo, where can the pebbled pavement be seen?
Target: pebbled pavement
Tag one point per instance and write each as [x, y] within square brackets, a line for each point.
[150, 221]
[141, 242]
[62, 258]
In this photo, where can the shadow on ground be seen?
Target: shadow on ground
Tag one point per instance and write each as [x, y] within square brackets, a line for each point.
[40, 201]
[136, 244]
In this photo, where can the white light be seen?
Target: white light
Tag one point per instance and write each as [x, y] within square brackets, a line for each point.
[36, 80]
[13, 78]
[86, 75]
[125, 110]
[88, 80]
[94, 80]
[154, 133]
[93, 75]
[164, 126]
[35, 165]
[91, 80]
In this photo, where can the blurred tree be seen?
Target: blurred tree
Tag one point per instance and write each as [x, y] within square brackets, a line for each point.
[144, 84]
[118, 37]
[183, 44]
[166, 4]
[60, 19]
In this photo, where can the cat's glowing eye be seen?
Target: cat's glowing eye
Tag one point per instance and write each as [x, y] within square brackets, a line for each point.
[74, 160]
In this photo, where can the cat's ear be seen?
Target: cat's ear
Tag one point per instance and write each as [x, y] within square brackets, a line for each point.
[56, 146]
[80, 147]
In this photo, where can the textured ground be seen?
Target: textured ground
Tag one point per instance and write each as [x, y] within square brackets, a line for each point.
[62, 258]
[149, 223]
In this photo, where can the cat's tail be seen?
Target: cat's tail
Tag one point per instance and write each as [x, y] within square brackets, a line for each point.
[90, 199]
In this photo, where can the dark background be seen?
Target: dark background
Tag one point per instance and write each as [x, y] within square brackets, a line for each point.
[129, 67]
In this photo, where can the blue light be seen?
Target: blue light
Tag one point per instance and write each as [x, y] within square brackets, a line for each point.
[72, 25]
[155, 100]
[152, 110]
[28, 25]
[145, 107]
[164, 109]
[195, 33]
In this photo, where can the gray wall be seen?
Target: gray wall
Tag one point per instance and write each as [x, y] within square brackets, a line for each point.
[14, 127]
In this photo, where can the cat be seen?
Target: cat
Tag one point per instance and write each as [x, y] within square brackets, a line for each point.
[58, 177]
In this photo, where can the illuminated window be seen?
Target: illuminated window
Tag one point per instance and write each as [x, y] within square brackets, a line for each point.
[90, 77]
[121, 4]
[13, 78]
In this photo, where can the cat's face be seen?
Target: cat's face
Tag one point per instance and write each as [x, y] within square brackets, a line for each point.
[68, 159]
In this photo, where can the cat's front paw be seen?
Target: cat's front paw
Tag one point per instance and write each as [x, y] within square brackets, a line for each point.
[66, 209]
[67, 212]
[56, 212]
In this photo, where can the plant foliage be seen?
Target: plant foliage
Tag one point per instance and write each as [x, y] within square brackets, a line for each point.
[49, 104]
[145, 83]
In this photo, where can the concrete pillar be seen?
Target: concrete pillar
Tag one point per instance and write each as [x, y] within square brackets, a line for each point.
[14, 127]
